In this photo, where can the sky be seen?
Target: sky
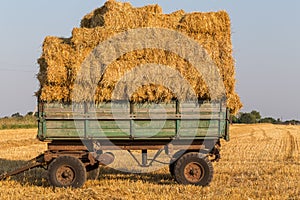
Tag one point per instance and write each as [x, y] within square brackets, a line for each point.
[265, 37]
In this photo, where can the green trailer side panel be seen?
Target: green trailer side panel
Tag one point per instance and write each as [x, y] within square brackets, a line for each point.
[68, 133]
[127, 121]
[64, 124]
[108, 133]
[64, 128]
[154, 124]
[200, 132]
[155, 128]
[111, 124]
[111, 128]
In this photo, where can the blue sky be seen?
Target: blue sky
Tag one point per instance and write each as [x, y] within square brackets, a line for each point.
[265, 39]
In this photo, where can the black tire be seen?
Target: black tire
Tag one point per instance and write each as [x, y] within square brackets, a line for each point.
[173, 161]
[92, 172]
[171, 168]
[67, 171]
[193, 168]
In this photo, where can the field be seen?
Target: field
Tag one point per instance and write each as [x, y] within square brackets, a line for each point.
[27, 121]
[260, 162]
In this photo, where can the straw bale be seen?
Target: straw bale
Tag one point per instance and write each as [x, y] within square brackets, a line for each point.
[54, 93]
[117, 15]
[211, 22]
[129, 61]
[62, 59]
[53, 62]
[153, 93]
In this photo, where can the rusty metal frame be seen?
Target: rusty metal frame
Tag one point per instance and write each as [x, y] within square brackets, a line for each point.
[75, 145]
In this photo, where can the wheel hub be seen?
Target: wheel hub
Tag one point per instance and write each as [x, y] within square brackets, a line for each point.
[193, 172]
[65, 175]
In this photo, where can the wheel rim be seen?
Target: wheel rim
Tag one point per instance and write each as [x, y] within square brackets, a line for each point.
[65, 175]
[193, 172]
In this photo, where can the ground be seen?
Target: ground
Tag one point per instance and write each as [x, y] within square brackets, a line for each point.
[259, 162]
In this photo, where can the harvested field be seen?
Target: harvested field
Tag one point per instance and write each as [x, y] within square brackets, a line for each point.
[260, 162]
[62, 58]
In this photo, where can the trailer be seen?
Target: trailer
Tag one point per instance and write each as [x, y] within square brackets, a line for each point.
[80, 136]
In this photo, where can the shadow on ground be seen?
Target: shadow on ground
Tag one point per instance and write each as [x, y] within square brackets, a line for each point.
[38, 176]
[162, 177]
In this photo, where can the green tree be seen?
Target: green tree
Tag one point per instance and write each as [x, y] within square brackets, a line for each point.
[267, 120]
[29, 113]
[256, 114]
[247, 118]
[16, 115]
[234, 119]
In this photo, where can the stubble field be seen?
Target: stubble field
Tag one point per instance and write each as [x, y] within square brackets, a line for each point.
[260, 162]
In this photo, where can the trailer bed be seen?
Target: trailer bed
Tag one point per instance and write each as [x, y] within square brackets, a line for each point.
[131, 121]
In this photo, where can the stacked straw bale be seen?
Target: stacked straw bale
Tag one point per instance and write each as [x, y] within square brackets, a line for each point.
[62, 57]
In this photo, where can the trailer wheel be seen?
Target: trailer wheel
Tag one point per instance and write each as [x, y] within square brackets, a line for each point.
[173, 161]
[193, 168]
[67, 171]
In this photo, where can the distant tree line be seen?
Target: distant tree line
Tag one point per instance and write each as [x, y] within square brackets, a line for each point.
[17, 120]
[18, 115]
[255, 117]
